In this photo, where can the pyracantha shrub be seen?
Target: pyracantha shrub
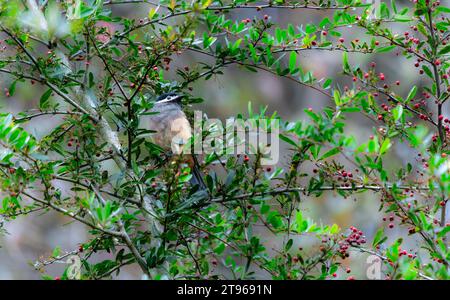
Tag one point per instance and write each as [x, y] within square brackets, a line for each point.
[98, 71]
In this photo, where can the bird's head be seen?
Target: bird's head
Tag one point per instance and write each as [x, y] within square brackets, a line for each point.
[171, 97]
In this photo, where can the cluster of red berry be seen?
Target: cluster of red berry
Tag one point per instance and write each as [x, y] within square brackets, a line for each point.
[345, 176]
[391, 219]
[355, 238]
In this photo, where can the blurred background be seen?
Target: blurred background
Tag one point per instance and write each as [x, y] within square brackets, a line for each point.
[36, 235]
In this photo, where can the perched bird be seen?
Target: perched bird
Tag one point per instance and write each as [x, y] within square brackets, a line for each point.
[173, 131]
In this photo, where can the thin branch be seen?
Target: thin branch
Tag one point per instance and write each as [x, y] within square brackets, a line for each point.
[140, 260]
[364, 250]
[262, 69]
[122, 91]
[72, 215]
[22, 46]
[197, 265]
[23, 212]
[262, 6]
[40, 264]
[374, 188]
[44, 113]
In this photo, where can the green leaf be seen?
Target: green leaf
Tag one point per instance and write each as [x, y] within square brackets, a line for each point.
[385, 49]
[206, 3]
[12, 88]
[402, 18]
[443, 9]
[337, 98]
[427, 71]
[373, 146]
[43, 102]
[288, 140]
[301, 223]
[397, 112]
[444, 50]
[444, 231]
[393, 252]
[385, 146]
[411, 272]
[153, 12]
[334, 229]
[56, 252]
[345, 63]
[327, 83]
[288, 245]
[379, 237]
[310, 28]
[219, 249]
[412, 93]
[330, 153]
[292, 62]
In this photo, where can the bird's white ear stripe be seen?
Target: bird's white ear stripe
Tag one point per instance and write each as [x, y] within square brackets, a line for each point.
[165, 100]
[169, 99]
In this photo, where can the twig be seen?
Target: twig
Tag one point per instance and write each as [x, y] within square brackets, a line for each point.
[386, 259]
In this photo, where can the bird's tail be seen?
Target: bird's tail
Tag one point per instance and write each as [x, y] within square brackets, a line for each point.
[197, 178]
